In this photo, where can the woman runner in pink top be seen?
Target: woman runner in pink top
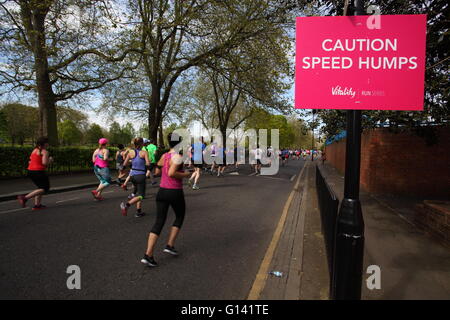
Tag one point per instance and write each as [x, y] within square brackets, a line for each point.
[170, 194]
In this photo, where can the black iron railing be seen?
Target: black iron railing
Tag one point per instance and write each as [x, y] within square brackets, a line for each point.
[329, 206]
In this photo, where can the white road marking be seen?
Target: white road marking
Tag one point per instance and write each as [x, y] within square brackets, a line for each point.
[273, 178]
[293, 177]
[60, 201]
[14, 210]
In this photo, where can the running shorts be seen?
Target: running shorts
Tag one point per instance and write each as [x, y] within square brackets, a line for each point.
[40, 179]
[139, 184]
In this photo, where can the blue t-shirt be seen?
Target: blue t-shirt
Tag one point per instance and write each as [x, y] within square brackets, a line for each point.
[197, 151]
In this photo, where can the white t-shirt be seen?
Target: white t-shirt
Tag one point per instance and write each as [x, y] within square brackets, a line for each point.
[258, 154]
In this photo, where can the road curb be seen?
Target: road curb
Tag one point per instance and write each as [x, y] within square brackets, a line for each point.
[13, 196]
[261, 277]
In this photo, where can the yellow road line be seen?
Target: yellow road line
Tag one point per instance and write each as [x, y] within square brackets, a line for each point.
[261, 276]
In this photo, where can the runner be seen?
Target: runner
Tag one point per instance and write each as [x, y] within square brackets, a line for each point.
[213, 156]
[127, 180]
[270, 155]
[120, 157]
[258, 158]
[151, 149]
[170, 194]
[100, 159]
[221, 161]
[39, 161]
[197, 159]
[285, 156]
[140, 163]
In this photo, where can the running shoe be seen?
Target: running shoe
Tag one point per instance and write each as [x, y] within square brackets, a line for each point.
[171, 250]
[99, 198]
[190, 183]
[39, 207]
[195, 187]
[22, 200]
[149, 261]
[123, 208]
[94, 194]
[154, 182]
[139, 215]
[124, 187]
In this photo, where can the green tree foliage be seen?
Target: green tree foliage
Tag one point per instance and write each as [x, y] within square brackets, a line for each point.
[293, 133]
[3, 127]
[21, 123]
[94, 133]
[121, 134]
[77, 117]
[69, 134]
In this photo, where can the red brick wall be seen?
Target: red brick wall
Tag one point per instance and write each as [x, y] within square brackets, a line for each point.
[400, 163]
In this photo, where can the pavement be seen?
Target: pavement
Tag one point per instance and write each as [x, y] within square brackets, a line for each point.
[414, 265]
[245, 237]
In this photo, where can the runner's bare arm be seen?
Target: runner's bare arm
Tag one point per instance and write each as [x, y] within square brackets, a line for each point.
[159, 165]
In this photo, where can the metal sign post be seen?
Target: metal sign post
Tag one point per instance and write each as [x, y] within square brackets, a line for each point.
[349, 242]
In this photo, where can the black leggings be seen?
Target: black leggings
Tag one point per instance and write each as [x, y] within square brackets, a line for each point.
[164, 199]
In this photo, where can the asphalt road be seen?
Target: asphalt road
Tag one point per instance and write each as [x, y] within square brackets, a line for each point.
[228, 226]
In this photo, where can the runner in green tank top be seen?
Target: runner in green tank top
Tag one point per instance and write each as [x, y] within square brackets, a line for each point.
[151, 148]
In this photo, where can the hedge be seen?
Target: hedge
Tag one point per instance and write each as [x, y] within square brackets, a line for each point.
[66, 159]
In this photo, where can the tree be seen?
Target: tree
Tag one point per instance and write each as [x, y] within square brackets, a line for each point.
[69, 134]
[94, 133]
[118, 134]
[3, 127]
[261, 119]
[176, 36]
[78, 118]
[58, 49]
[21, 122]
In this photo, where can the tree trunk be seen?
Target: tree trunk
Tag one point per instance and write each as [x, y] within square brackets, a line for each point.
[34, 22]
[153, 119]
[161, 135]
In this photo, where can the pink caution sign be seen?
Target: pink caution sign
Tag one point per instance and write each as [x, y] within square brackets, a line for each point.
[360, 62]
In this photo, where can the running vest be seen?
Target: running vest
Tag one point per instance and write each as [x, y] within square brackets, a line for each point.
[120, 158]
[166, 181]
[35, 163]
[100, 162]
[137, 164]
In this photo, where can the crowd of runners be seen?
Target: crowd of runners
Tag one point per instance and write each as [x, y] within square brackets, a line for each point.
[138, 162]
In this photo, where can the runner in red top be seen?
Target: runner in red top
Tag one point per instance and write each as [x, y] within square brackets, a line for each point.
[39, 160]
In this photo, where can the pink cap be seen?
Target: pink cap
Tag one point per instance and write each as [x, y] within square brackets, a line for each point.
[103, 141]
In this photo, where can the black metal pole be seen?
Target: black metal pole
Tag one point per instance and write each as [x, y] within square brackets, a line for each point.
[349, 241]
